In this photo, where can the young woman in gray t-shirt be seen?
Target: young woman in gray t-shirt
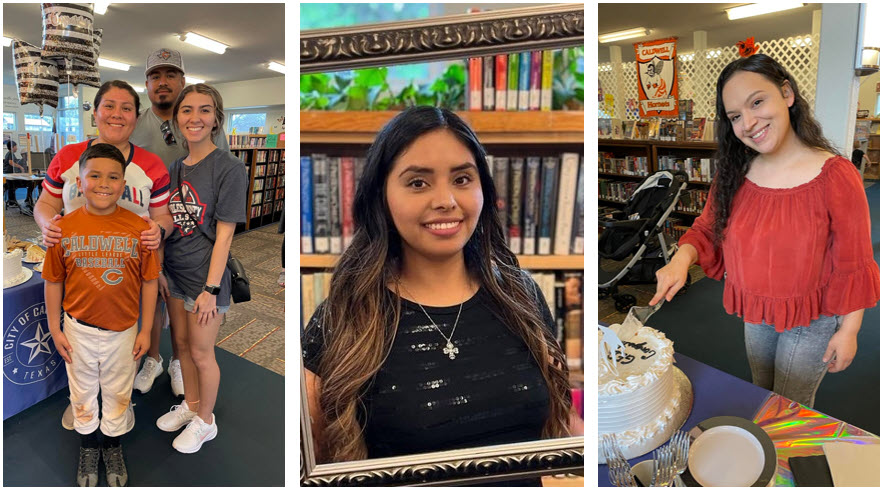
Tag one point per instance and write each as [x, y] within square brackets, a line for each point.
[196, 281]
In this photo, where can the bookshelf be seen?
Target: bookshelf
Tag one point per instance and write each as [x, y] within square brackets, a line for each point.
[265, 167]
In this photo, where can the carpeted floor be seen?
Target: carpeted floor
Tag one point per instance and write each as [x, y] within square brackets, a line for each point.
[699, 328]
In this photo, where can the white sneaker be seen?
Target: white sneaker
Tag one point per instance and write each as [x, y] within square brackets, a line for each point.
[150, 370]
[175, 376]
[67, 419]
[195, 435]
[177, 417]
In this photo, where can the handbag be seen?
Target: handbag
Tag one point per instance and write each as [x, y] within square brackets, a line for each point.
[240, 289]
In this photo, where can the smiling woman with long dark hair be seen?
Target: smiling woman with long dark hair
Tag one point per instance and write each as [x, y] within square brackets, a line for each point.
[788, 221]
[432, 338]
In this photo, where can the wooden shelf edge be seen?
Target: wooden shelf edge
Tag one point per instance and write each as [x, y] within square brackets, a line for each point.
[531, 262]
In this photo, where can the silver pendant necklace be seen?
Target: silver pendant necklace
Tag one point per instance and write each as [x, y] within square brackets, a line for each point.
[450, 349]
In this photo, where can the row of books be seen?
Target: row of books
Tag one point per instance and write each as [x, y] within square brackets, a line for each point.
[697, 168]
[271, 169]
[540, 202]
[628, 165]
[692, 200]
[271, 156]
[245, 141]
[563, 293]
[675, 228]
[265, 209]
[514, 82]
[617, 191]
[691, 130]
[268, 183]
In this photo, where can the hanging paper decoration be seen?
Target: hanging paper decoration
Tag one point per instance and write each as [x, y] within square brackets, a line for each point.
[747, 48]
[67, 31]
[657, 78]
[36, 79]
[79, 72]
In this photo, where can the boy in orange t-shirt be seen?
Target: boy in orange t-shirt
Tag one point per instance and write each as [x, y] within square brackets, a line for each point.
[97, 272]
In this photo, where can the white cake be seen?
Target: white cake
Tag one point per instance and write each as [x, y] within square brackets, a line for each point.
[13, 273]
[647, 399]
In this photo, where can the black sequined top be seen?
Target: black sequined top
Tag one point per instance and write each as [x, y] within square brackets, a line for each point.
[421, 400]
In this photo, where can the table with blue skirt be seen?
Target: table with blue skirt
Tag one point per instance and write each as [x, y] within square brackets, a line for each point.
[796, 430]
[32, 368]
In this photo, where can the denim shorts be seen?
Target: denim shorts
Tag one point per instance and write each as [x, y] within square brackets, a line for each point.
[175, 292]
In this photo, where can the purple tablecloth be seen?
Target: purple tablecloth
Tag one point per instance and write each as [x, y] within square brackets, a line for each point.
[716, 393]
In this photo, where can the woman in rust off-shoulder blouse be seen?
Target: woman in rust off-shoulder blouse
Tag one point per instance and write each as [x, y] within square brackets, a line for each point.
[787, 225]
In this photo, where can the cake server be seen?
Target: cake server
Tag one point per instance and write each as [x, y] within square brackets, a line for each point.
[638, 316]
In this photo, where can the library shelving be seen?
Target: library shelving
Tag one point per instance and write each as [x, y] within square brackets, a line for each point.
[265, 167]
[510, 134]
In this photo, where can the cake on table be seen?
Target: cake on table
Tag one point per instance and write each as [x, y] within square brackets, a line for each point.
[13, 273]
[643, 398]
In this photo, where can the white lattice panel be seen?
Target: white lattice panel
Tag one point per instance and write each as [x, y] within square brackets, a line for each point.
[799, 55]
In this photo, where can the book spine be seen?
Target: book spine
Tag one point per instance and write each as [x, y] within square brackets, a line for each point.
[517, 165]
[334, 204]
[546, 81]
[532, 206]
[308, 302]
[524, 80]
[573, 320]
[577, 243]
[501, 175]
[488, 83]
[534, 81]
[320, 204]
[348, 191]
[565, 209]
[512, 81]
[475, 84]
[559, 314]
[549, 180]
[318, 297]
[500, 83]
[306, 205]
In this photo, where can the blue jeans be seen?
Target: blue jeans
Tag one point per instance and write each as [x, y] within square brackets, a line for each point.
[790, 363]
[176, 292]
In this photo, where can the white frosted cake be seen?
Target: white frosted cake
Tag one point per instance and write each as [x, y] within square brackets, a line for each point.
[646, 399]
[13, 273]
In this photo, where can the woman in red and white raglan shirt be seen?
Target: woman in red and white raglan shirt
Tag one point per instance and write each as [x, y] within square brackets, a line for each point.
[147, 180]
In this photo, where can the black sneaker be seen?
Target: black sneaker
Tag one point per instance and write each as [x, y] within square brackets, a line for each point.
[87, 469]
[114, 466]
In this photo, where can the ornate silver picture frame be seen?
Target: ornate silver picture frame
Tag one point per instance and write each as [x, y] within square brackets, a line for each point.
[437, 39]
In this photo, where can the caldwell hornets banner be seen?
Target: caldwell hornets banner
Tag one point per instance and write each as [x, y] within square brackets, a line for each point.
[657, 78]
[32, 368]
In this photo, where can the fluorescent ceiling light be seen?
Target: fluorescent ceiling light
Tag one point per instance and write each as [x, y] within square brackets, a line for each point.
[137, 89]
[189, 79]
[204, 42]
[277, 67]
[100, 8]
[760, 9]
[112, 64]
[620, 35]
[7, 41]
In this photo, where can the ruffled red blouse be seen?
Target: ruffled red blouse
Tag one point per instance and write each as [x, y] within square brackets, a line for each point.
[793, 254]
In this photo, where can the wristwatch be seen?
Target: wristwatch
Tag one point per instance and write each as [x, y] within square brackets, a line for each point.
[212, 289]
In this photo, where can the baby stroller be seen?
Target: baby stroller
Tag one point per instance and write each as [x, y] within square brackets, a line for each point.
[637, 234]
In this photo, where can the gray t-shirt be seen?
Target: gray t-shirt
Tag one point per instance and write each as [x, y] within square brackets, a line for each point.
[148, 136]
[212, 190]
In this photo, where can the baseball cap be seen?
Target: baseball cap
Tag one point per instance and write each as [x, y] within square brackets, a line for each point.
[164, 57]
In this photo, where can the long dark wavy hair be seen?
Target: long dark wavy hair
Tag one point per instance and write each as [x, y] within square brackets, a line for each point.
[361, 314]
[733, 155]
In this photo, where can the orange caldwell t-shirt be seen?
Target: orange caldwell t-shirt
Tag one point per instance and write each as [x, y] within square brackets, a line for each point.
[102, 263]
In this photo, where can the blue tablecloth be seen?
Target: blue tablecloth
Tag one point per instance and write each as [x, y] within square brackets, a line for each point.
[32, 367]
[716, 393]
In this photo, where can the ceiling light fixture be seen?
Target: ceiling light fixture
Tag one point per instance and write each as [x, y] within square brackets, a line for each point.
[278, 67]
[204, 43]
[754, 9]
[102, 62]
[620, 35]
[137, 89]
[189, 79]
[100, 8]
[7, 41]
